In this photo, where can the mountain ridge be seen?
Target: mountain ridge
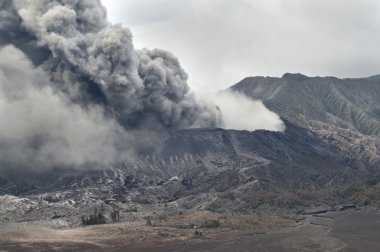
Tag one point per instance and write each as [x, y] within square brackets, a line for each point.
[348, 103]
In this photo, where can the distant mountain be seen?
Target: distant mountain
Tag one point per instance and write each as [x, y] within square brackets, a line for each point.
[352, 104]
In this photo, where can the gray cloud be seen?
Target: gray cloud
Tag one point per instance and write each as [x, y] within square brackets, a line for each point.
[240, 38]
[168, 94]
[74, 90]
[92, 59]
[8, 16]
[41, 128]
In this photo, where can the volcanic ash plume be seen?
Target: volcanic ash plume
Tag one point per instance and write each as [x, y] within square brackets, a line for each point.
[42, 128]
[91, 60]
[72, 85]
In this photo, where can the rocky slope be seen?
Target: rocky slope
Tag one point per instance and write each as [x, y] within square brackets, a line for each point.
[347, 103]
[328, 155]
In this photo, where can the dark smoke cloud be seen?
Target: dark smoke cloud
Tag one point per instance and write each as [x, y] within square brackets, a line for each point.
[8, 16]
[73, 90]
[93, 60]
[167, 93]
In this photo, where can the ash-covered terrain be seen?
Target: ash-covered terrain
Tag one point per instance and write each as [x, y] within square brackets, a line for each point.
[246, 181]
[94, 131]
[313, 162]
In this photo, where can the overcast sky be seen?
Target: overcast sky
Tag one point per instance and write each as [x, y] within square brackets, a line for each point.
[219, 42]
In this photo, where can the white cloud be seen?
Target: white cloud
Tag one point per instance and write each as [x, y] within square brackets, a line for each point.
[220, 42]
[242, 113]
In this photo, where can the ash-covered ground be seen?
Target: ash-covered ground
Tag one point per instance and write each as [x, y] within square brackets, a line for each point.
[348, 230]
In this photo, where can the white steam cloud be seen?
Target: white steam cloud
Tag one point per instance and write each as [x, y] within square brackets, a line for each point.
[242, 113]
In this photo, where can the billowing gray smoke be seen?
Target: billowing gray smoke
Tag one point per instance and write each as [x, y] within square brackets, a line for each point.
[93, 61]
[72, 86]
[42, 128]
